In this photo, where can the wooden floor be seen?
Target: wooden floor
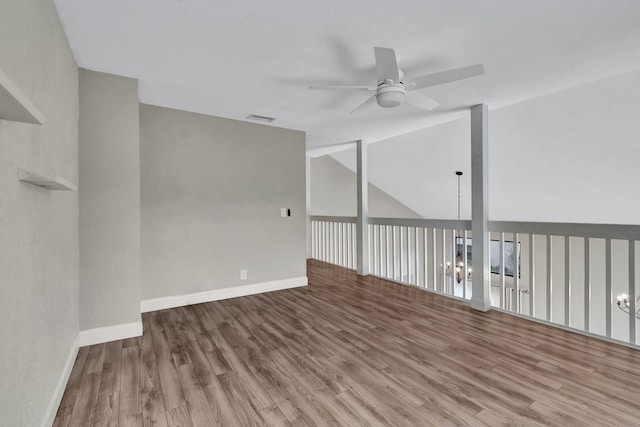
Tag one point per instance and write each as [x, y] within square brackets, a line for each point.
[350, 351]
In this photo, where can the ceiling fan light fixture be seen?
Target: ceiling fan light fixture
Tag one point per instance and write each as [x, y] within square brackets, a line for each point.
[390, 96]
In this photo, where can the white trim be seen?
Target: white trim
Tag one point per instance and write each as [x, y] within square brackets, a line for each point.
[220, 294]
[58, 392]
[110, 333]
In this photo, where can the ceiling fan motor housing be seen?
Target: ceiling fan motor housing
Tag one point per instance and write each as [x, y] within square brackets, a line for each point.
[390, 95]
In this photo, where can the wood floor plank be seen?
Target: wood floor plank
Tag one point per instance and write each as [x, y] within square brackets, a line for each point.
[85, 404]
[153, 409]
[172, 393]
[130, 408]
[349, 351]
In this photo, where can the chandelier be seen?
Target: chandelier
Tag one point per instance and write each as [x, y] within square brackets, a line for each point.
[459, 261]
[623, 304]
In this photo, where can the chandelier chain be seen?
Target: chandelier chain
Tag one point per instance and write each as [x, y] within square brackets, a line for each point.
[459, 198]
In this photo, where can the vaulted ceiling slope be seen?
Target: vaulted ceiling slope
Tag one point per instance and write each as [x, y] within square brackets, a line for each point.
[233, 58]
[570, 156]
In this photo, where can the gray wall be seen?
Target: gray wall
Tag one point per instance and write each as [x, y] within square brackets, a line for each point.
[109, 200]
[38, 227]
[333, 192]
[211, 194]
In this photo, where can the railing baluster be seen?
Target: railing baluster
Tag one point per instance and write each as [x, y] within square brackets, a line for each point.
[417, 260]
[434, 260]
[567, 280]
[376, 250]
[501, 270]
[632, 291]
[322, 254]
[345, 244]
[465, 261]
[587, 284]
[424, 257]
[338, 244]
[549, 277]
[387, 251]
[444, 259]
[317, 245]
[515, 300]
[454, 266]
[370, 245]
[354, 247]
[313, 239]
[532, 276]
[326, 242]
[334, 243]
[407, 251]
[329, 241]
[348, 241]
[607, 292]
[393, 243]
[402, 255]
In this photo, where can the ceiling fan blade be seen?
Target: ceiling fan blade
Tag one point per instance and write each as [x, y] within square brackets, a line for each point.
[338, 87]
[365, 105]
[445, 77]
[421, 101]
[386, 64]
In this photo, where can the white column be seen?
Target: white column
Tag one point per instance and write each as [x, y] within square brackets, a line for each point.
[308, 213]
[480, 299]
[362, 226]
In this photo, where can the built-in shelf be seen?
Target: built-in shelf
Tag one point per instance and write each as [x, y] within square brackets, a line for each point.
[15, 106]
[56, 183]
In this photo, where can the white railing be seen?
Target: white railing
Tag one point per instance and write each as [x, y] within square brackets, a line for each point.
[571, 275]
[568, 275]
[333, 240]
[420, 252]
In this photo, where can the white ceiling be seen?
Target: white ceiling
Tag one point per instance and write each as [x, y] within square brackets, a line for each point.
[233, 58]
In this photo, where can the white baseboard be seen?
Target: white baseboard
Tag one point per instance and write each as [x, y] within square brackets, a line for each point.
[58, 392]
[110, 333]
[220, 294]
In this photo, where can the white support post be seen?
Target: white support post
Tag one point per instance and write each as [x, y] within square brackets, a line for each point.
[362, 228]
[481, 283]
[308, 203]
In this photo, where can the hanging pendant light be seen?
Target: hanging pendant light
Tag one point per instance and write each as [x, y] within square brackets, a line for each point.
[459, 248]
[458, 267]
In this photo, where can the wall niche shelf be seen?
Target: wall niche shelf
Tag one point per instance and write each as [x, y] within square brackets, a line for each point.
[56, 183]
[15, 106]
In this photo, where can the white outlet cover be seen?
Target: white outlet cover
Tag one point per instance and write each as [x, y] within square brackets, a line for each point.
[283, 212]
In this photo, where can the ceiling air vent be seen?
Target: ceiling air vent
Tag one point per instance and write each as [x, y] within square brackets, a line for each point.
[260, 118]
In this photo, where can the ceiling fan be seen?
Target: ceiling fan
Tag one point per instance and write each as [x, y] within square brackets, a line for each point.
[392, 90]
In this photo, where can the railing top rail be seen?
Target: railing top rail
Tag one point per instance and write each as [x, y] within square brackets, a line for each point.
[603, 231]
[347, 219]
[424, 223]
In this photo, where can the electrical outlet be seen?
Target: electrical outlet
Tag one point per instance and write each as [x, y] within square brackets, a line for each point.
[243, 274]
